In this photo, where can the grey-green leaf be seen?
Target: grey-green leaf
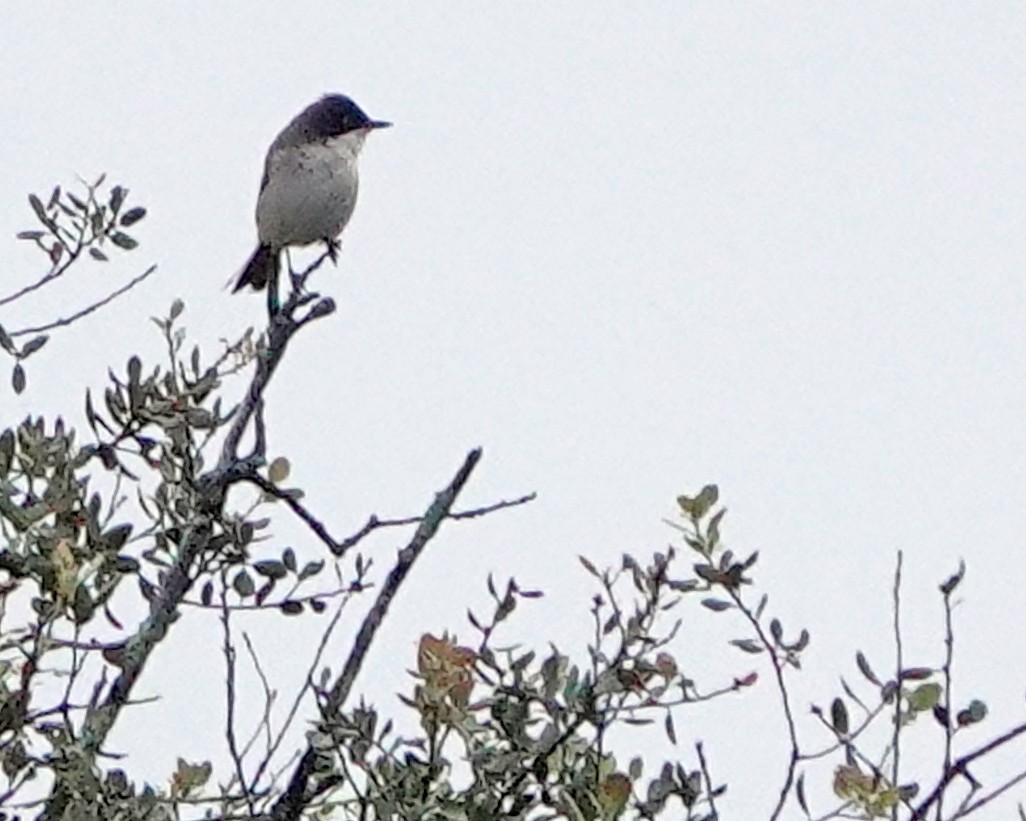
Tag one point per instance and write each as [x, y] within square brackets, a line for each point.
[37, 206]
[132, 216]
[34, 345]
[123, 241]
[243, 584]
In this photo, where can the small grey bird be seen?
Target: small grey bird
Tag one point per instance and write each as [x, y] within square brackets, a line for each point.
[309, 187]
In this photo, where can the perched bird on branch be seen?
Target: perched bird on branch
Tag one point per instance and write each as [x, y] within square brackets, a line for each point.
[309, 187]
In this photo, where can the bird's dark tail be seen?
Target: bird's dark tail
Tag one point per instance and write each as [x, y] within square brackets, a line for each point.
[261, 267]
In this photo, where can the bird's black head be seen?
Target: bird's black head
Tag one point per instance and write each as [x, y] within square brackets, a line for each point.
[336, 114]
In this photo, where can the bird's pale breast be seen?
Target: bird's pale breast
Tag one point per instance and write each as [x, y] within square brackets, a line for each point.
[310, 193]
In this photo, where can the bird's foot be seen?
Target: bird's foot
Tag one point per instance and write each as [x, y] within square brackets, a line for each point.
[333, 247]
[297, 279]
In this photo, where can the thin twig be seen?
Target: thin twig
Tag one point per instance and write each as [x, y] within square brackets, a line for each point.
[792, 733]
[56, 271]
[307, 684]
[708, 779]
[959, 767]
[899, 664]
[949, 653]
[59, 323]
[995, 793]
[229, 659]
[270, 696]
[339, 548]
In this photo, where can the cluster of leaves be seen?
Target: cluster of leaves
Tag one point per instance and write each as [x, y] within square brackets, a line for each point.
[869, 778]
[77, 520]
[529, 731]
[70, 227]
[505, 731]
[72, 224]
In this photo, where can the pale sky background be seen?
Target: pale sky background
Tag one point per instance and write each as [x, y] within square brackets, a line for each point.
[628, 249]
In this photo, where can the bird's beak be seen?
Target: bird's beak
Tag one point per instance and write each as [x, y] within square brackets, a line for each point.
[379, 124]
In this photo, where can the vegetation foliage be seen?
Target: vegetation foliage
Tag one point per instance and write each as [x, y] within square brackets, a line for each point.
[131, 513]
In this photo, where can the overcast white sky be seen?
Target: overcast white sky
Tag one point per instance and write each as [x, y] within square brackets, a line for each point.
[626, 248]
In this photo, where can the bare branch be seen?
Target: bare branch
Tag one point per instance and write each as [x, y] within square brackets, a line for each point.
[339, 548]
[291, 804]
[297, 701]
[269, 698]
[228, 650]
[960, 767]
[995, 793]
[899, 662]
[708, 779]
[60, 323]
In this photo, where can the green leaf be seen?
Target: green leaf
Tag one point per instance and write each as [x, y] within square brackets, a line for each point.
[953, 581]
[123, 241]
[243, 584]
[83, 605]
[587, 565]
[117, 198]
[799, 789]
[865, 669]
[134, 370]
[189, 777]
[265, 591]
[290, 607]
[748, 645]
[916, 673]
[33, 345]
[18, 378]
[311, 569]
[712, 530]
[271, 569]
[37, 206]
[126, 564]
[839, 717]
[975, 712]
[278, 470]
[708, 497]
[924, 697]
[697, 507]
[132, 216]
[115, 538]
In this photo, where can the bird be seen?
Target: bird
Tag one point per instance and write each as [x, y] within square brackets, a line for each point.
[308, 191]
